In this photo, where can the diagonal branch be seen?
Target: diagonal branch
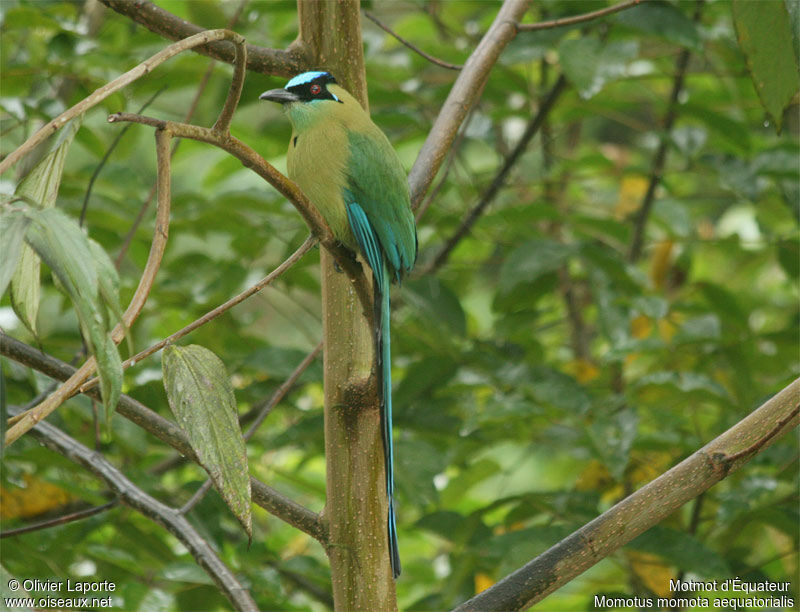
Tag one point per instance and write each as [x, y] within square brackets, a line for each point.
[646, 507]
[167, 517]
[530, 131]
[462, 97]
[260, 59]
[565, 21]
[168, 432]
[659, 159]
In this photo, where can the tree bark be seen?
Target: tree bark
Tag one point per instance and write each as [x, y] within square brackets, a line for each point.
[356, 506]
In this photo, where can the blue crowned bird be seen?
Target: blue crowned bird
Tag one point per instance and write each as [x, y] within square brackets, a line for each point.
[352, 175]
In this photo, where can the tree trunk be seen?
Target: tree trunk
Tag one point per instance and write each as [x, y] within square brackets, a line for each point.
[356, 507]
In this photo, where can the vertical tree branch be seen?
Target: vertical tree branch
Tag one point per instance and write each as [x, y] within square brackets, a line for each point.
[355, 508]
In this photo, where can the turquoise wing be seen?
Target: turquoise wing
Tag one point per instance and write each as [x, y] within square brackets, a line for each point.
[377, 183]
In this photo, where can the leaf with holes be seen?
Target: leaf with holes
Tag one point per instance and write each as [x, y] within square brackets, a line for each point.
[201, 398]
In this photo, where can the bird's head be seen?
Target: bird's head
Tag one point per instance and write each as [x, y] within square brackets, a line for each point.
[307, 96]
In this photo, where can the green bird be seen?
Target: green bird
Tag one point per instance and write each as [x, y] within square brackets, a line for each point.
[348, 169]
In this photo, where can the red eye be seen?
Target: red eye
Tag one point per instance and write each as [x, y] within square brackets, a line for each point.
[315, 89]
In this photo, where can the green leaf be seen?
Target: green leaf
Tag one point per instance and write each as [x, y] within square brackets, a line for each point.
[41, 184]
[59, 241]
[589, 64]
[40, 187]
[108, 283]
[13, 225]
[25, 288]
[201, 398]
[664, 20]
[765, 37]
[531, 260]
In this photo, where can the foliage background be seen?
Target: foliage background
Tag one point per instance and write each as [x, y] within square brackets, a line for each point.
[540, 373]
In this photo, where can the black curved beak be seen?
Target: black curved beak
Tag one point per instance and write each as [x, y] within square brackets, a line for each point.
[281, 96]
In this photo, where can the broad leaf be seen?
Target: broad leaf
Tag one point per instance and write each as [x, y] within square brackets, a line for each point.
[765, 37]
[201, 398]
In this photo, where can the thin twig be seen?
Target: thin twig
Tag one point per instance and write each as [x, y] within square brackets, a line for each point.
[462, 97]
[107, 155]
[168, 432]
[412, 46]
[533, 127]
[108, 89]
[213, 314]
[61, 520]
[157, 247]
[565, 21]
[136, 498]
[659, 159]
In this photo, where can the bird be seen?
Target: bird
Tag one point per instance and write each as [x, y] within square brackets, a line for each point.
[351, 173]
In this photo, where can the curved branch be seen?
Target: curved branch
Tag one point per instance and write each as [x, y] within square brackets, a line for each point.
[462, 96]
[259, 59]
[565, 21]
[167, 517]
[644, 508]
[168, 432]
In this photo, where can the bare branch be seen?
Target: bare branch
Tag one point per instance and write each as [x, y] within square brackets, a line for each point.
[259, 59]
[565, 21]
[413, 47]
[167, 517]
[106, 90]
[165, 430]
[159, 243]
[644, 508]
[532, 128]
[462, 96]
[213, 314]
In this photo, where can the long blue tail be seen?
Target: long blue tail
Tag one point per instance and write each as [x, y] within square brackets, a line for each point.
[384, 340]
[371, 249]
